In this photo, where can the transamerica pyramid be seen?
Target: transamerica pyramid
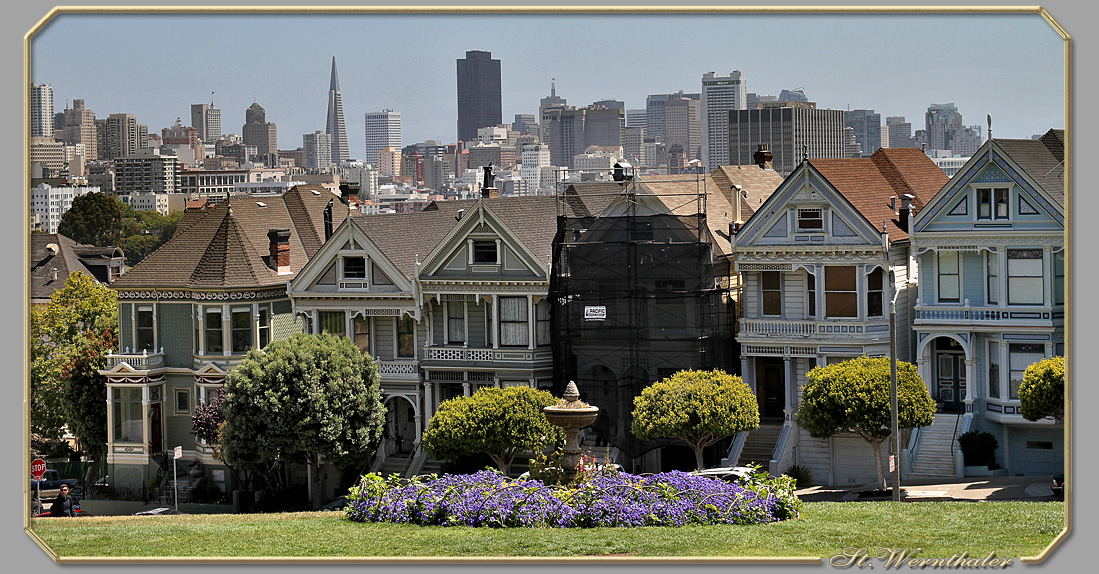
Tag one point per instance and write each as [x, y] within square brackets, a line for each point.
[335, 126]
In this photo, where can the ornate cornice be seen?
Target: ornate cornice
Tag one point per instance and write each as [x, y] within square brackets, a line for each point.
[271, 293]
[929, 240]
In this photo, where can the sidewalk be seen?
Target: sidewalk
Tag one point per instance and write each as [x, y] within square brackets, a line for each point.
[1032, 488]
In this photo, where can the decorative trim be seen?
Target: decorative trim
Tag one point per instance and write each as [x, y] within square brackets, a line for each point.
[205, 295]
[968, 240]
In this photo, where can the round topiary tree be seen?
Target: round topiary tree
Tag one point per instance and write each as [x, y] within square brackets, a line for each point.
[1042, 392]
[698, 407]
[310, 398]
[499, 422]
[854, 396]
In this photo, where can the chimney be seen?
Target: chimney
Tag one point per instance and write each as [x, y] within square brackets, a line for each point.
[906, 210]
[763, 156]
[53, 274]
[327, 219]
[488, 185]
[349, 192]
[280, 249]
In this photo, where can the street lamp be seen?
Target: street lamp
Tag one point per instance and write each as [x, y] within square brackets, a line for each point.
[894, 419]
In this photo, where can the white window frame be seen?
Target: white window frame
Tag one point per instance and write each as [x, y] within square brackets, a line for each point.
[992, 203]
[138, 310]
[798, 219]
[1040, 276]
[939, 277]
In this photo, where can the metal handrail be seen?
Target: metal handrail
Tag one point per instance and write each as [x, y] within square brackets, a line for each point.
[954, 436]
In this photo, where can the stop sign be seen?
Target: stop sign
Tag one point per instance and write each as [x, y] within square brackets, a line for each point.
[38, 468]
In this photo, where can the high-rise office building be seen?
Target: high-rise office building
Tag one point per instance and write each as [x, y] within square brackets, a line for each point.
[534, 158]
[609, 104]
[257, 131]
[900, 132]
[683, 126]
[720, 94]
[79, 128]
[147, 172]
[794, 95]
[123, 136]
[570, 131]
[335, 126]
[944, 131]
[791, 133]
[41, 111]
[317, 150]
[383, 129]
[654, 112]
[181, 135]
[635, 118]
[549, 102]
[866, 125]
[207, 120]
[525, 124]
[478, 94]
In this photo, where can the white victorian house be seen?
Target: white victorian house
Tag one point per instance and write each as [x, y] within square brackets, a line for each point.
[446, 300]
[990, 247]
[817, 264]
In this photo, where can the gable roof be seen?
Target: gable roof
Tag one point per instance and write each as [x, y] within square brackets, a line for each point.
[869, 182]
[757, 182]
[680, 194]
[225, 248]
[53, 250]
[403, 237]
[1042, 159]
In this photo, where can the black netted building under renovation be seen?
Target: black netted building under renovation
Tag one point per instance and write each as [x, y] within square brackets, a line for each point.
[639, 292]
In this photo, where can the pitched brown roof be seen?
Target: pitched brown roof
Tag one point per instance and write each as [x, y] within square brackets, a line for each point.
[1042, 159]
[225, 248]
[66, 256]
[869, 182]
[759, 183]
[681, 193]
[406, 237]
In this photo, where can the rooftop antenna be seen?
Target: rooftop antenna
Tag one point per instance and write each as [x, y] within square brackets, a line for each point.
[989, 118]
[211, 99]
[553, 87]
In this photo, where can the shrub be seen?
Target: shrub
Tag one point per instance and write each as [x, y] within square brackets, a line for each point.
[978, 448]
[1042, 392]
[801, 476]
[488, 498]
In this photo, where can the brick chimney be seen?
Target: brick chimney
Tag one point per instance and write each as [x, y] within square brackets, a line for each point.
[280, 249]
[763, 156]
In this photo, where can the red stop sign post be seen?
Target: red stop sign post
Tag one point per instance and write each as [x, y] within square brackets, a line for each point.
[38, 468]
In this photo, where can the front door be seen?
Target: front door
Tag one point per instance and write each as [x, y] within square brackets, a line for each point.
[771, 390]
[156, 436]
[950, 380]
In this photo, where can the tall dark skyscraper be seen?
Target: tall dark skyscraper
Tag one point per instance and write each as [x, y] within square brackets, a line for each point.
[478, 94]
[335, 127]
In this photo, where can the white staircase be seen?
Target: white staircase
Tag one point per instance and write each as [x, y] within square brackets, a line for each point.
[934, 456]
[760, 445]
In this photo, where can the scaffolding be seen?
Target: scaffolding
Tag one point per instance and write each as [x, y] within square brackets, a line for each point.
[639, 293]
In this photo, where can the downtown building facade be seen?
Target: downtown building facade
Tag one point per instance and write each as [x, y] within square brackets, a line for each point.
[146, 172]
[41, 108]
[478, 94]
[335, 128]
[383, 129]
[317, 150]
[207, 120]
[720, 94]
[80, 128]
[791, 134]
[867, 129]
[258, 132]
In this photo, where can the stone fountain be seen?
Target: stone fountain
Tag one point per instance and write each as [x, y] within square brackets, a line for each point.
[571, 414]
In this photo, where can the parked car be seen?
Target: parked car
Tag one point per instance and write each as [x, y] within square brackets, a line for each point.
[337, 505]
[1058, 486]
[51, 483]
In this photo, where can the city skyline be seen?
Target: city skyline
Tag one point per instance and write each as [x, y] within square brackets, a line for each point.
[287, 74]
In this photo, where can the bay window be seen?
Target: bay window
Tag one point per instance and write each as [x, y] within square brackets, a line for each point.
[514, 325]
[771, 291]
[1021, 356]
[949, 274]
[994, 369]
[993, 273]
[455, 322]
[127, 415]
[840, 295]
[811, 294]
[362, 333]
[241, 326]
[332, 322]
[875, 292]
[406, 337]
[213, 328]
[264, 325]
[542, 316]
[1024, 277]
[1059, 278]
[144, 336]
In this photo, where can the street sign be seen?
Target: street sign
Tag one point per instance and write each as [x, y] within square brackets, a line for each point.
[892, 463]
[38, 468]
[179, 452]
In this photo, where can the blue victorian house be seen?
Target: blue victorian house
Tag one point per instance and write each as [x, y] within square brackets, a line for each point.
[990, 250]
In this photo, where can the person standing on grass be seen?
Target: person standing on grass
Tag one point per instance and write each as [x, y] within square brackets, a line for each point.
[63, 505]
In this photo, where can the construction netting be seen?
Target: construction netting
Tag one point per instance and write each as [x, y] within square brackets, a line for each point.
[637, 296]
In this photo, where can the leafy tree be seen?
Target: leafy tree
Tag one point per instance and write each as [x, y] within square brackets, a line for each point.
[307, 398]
[137, 247]
[208, 416]
[70, 337]
[1042, 392]
[699, 407]
[95, 219]
[499, 422]
[854, 396]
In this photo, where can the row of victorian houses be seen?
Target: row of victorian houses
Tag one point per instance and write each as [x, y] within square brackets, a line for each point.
[617, 284]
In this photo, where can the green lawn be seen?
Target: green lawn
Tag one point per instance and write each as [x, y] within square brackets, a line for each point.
[1011, 529]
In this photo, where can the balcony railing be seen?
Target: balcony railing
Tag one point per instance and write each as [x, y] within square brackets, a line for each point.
[408, 371]
[143, 361]
[968, 315]
[806, 329]
[472, 355]
[223, 362]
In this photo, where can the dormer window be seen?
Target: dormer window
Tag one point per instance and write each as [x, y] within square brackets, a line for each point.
[485, 252]
[354, 268]
[811, 219]
[992, 203]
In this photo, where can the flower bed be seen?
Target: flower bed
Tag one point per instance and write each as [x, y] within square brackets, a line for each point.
[488, 498]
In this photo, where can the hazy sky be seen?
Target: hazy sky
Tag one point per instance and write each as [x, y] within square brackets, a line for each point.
[156, 65]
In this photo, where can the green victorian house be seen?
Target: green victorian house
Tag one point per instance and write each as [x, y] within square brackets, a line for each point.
[190, 312]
